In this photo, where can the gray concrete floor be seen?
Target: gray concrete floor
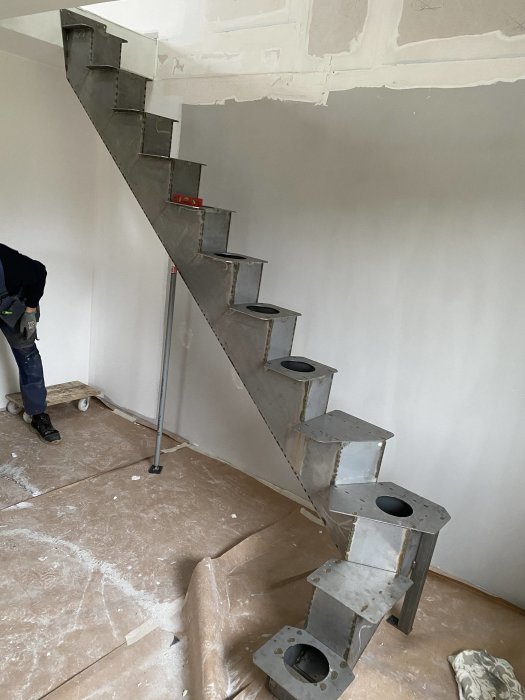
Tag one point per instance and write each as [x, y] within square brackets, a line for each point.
[96, 556]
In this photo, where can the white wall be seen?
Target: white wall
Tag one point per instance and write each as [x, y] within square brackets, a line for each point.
[47, 203]
[394, 222]
[128, 297]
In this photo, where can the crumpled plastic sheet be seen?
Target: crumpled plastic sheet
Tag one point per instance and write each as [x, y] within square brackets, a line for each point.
[236, 602]
[481, 676]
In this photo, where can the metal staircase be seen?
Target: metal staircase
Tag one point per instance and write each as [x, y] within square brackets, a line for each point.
[385, 534]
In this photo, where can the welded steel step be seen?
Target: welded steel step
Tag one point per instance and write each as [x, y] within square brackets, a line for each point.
[245, 272]
[342, 448]
[314, 378]
[367, 591]
[73, 20]
[275, 326]
[300, 667]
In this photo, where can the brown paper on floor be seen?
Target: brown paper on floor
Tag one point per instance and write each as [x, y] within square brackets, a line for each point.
[236, 602]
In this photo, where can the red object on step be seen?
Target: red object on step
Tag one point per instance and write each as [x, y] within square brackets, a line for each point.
[187, 199]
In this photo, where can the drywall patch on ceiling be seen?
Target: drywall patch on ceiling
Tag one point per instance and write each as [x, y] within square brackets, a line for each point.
[227, 10]
[440, 19]
[335, 24]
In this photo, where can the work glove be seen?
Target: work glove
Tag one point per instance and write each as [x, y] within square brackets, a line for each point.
[28, 325]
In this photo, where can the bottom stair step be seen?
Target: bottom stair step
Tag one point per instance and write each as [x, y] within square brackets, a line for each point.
[369, 592]
[300, 667]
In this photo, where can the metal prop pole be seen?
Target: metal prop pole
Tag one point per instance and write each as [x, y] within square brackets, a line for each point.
[156, 468]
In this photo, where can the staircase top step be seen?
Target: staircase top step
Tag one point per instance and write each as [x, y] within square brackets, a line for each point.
[265, 312]
[232, 258]
[274, 658]
[73, 20]
[301, 369]
[368, 591]
[388, 503]
[338, 426]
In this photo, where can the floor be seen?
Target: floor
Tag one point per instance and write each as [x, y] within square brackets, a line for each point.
[97, 557]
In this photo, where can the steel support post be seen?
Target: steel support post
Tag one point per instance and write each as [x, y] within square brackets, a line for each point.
[405, 622]
[156, 467]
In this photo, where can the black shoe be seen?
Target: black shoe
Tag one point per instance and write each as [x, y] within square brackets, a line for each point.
[42, 425]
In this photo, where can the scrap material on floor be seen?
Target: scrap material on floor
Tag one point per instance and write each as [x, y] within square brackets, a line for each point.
[97, 556]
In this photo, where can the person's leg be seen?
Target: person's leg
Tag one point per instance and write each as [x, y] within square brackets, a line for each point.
[32, 385]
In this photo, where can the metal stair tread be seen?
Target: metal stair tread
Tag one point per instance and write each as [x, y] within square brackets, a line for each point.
[282, 313]
[145, 114]
[221, 258]
[319, 370]
[338, 426]
[205, 207]
[79, 19]
[270, 659]
[370, 592]
[361, 500]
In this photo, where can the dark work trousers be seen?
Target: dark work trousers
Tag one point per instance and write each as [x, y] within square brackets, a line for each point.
[30, 369]
[26, 353]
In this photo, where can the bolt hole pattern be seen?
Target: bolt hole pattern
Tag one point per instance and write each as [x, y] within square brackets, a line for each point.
[263, 309]
[307, 662]
[297, 366]
[394, 506]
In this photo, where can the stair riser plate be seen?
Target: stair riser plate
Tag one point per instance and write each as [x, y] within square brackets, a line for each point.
[157, 135]
[186, 179]
[131, 91]
[105, 49]
[380, 545]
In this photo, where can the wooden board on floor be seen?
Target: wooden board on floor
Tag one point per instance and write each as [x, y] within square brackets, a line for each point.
[61, 393]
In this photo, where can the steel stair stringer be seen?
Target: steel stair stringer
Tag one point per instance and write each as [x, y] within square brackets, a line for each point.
[385, 534]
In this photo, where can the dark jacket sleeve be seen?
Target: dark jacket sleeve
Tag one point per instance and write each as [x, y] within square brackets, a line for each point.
[24, 276]
[34, 282]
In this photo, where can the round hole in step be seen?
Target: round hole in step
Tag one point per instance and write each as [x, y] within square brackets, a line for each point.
[297, 366]
[263, 309]
[307, 663]
[394, 506]
[231, 256]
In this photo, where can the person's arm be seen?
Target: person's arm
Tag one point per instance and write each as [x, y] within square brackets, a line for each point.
[34, 276]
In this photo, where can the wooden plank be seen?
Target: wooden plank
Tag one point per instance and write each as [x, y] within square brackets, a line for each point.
[61, 393]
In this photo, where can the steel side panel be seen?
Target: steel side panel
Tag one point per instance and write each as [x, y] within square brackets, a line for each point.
[78, 49]
[318, 468]
[281, 337]
[216, 230]
[359, 462]
[157, 135]
[363, 633]
[123, 138]
[131, 91]
[106, 49]
[247, 283]
[318, 395]
[377, 544]
[186, 178]
[331, 622]
[243, 334]
[97, 95]
[149, 178]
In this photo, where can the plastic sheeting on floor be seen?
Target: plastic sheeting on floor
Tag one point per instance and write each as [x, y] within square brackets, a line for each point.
[481, 676]
[239, 600]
